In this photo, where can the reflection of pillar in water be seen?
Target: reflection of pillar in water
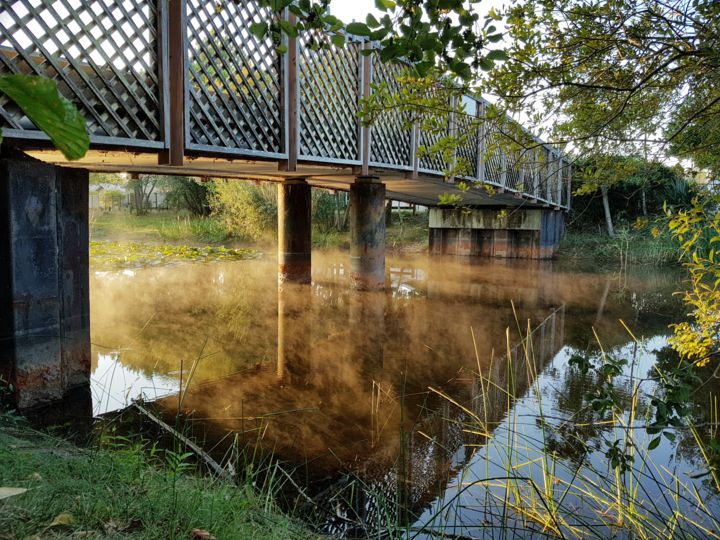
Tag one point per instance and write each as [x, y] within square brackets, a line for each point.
[293, 344]
[367, 330]
[553, 329]
[561, 323]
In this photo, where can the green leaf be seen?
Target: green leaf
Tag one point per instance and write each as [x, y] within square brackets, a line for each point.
[259, 29]
[388, 52]
[497, 55]
[41, 101]
[371, 21]
[289, 28]
[338, 40]
[358, 29]
[384, 5]
[654, 443]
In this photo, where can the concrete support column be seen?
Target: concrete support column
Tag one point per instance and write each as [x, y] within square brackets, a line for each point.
[367, 234]
[294, 231]
[44, 282]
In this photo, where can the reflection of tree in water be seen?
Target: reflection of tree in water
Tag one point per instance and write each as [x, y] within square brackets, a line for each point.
[702, 410]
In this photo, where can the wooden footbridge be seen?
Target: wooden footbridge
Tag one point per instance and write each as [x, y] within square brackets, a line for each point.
[183, 87]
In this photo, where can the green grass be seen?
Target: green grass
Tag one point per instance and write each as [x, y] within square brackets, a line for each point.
[158, 227]
[121, 493]
[628, 247]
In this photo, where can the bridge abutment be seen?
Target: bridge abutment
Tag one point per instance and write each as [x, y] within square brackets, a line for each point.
[516, 233]
[367, 234]
[294, 231]
[44, 282]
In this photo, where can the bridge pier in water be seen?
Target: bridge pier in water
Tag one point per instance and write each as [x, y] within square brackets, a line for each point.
[294, 231]
[515, 233]
[44, 284]
[367, 234]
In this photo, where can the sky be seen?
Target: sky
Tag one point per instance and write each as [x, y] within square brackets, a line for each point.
[349, 10]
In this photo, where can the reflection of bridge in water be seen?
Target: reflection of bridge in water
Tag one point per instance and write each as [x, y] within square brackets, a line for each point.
[348, 397]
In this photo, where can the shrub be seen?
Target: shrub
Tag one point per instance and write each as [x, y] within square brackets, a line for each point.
[246, 210]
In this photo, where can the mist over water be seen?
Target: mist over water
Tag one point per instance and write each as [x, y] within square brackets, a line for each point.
[343, 384]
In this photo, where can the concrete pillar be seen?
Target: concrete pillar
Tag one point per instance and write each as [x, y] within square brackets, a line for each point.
[44, 282]
[367, 234]
[294, 231]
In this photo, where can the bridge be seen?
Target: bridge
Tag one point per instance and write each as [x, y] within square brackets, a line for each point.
[184, 87]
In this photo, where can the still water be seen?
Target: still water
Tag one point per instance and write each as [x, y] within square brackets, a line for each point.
[398, 408]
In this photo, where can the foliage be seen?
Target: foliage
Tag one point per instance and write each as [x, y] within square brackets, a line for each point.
[636, 189]
[41, 101]
[109, 196]
[115, 179]
[247, 210]
[117, 255]
[629, 246]
[190, 194]
[698, 231]
[446, 36]
[327, 210]
[615, 73]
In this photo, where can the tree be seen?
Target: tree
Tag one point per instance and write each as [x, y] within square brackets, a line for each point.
[143, 186]
[619, 73]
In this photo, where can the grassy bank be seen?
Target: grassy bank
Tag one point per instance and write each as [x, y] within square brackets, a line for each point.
[121, 491]
[406, 233]
[157, 227]
[628, 247]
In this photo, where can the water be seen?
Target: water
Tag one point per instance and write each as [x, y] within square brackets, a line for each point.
[372, 401]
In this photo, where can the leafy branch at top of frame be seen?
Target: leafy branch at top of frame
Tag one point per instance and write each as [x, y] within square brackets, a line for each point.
[448, 35]
[40, 100]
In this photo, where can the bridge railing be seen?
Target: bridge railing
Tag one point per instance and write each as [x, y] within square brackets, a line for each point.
[188, 76]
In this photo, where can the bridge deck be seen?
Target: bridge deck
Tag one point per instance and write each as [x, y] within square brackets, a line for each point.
[183, 82]
[423, 190]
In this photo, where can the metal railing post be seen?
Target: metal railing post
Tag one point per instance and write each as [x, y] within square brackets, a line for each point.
[414, 143]
[481, 144]
[365, 132]
[452, 132]
[536, 172]
[559, 185]
[176, 75]
[503, 168]
[550, 175]
[569, 187]
[291, 99]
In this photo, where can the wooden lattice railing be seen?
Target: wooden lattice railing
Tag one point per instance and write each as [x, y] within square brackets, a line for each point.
[188, 77]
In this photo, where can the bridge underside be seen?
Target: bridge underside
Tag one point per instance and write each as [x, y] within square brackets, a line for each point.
[424, 190]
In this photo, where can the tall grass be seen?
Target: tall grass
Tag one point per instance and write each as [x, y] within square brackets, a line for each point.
[522, 482]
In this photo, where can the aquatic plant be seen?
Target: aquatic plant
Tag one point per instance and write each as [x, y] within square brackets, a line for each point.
[124, 255]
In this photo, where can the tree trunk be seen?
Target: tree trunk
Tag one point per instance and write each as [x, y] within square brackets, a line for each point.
[644, 202]
[608, 216]
[388, 213]
[338, 215]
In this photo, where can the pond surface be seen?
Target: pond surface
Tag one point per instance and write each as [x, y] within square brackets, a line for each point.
[397, 407]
